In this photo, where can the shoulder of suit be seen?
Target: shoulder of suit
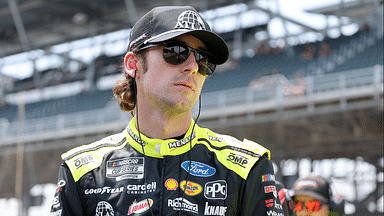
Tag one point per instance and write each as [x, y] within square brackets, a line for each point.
[85, 158]
[238, 156]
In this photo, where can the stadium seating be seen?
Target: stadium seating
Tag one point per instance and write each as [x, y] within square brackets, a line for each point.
[72, 104]
[347, 53]
[365, 54]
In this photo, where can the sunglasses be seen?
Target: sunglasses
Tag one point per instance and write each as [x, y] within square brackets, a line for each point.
[312, 206]
[177, 52]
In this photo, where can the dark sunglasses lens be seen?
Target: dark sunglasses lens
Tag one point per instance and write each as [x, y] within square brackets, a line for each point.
[175, 54]
[313, 206]
[205, 67]
[298, 206]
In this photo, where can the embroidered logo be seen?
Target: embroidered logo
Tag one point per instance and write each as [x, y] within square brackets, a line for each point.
[191, 188]
[126, 168]
[104, 209]
[198, 169]
[139, 207]
[171, 184]
[190, 20]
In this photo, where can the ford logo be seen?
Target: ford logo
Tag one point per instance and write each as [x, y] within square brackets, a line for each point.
[198, 169]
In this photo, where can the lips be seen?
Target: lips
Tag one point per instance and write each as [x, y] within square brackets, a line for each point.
[186, 84]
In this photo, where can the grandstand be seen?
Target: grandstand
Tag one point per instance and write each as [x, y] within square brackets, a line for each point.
[315, 102]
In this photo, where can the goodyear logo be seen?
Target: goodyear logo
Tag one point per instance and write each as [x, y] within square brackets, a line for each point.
[191, 188]
[237, 159]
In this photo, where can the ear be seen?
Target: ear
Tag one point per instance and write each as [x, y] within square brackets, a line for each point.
[130, 64]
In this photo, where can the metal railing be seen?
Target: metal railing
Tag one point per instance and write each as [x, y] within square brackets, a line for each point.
[372, 77]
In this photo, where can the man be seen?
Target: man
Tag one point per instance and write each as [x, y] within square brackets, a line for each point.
[163, 163]
[312, 195]
[285, 199]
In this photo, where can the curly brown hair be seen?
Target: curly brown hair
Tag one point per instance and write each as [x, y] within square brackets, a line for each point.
[124, 90]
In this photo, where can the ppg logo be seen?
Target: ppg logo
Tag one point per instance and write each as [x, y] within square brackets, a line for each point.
[216, 190]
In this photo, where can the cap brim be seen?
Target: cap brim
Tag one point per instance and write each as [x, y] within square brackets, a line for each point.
[214, 43]
[311, 194]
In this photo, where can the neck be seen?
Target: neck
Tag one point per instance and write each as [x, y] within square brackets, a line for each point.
[160, 125]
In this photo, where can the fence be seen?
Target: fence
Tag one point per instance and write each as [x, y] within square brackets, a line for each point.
[307, 87]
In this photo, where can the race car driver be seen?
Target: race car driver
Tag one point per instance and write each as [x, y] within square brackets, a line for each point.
[163, 163]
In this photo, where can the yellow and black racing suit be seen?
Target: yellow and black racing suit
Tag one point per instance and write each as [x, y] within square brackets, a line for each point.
[203, 173]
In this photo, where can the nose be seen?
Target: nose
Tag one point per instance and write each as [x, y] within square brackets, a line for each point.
[190, 65]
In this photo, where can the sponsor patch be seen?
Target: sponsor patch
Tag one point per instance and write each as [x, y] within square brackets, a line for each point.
[126, 168]
[281, 194]
[269, 203]
[180, 143]
[56, 202]
[191, 189]
[83, 160]
[141, 189]
[103, 208]
[219, 139]
[271, 189]
[268, 177]
[278, 206]
[216, 190]
[183, 204]
[273, 213]
[103, 190]
[140, 207]
[237, 159]
[60, 186]
[133, 135]
[198, 169]
[56, 213]
[171, 184]
[214, 210]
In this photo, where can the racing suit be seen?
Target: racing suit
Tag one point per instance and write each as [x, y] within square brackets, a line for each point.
[204, 173]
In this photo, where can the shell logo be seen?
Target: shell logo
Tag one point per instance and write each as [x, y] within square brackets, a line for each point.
[191, 188]
[171, 184]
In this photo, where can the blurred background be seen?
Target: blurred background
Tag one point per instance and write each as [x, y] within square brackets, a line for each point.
[304, 79]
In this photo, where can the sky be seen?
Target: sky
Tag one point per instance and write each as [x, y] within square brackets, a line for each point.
[20, 66]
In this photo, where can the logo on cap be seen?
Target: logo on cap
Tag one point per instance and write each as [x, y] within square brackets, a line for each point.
[190, 20]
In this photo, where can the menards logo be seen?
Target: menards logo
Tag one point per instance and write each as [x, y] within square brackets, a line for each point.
[139, 207]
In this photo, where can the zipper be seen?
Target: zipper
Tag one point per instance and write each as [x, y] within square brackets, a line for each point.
[162, 187]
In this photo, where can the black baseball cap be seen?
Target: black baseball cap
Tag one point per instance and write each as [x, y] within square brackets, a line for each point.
[313, 186]
[164, 23]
